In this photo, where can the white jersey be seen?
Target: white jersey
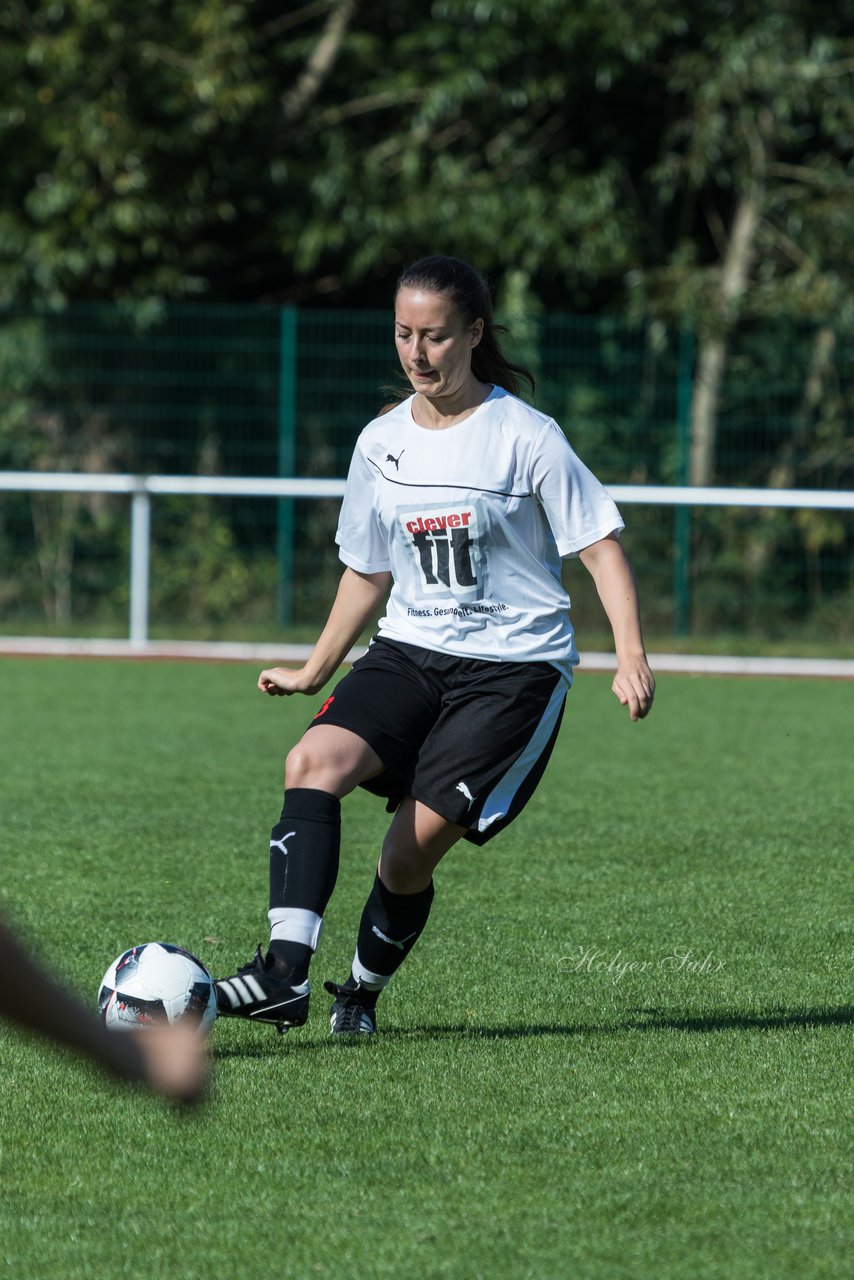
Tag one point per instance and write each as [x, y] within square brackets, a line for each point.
[472, 522]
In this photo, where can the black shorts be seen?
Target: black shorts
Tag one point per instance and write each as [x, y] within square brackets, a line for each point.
[469, 739]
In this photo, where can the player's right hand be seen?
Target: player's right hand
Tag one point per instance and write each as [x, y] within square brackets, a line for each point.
[281, 681]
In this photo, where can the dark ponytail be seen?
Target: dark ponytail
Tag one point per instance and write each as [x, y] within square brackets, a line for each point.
[470, 294]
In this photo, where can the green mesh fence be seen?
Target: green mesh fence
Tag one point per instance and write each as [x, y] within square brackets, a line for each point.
[268, 391]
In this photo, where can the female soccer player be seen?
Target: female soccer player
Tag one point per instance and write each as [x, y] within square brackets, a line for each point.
[461, 500]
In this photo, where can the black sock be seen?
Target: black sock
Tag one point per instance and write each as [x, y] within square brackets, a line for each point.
[304, 851]
[391, 925]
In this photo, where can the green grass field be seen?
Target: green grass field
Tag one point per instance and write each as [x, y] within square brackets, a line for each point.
[621, 1049]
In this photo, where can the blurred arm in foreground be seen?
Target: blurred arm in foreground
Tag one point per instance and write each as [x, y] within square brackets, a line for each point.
[170, 1060]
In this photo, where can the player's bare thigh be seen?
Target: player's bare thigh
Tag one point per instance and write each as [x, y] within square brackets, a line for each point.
[329, 758]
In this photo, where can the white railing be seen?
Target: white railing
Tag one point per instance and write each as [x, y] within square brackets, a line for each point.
[141, 489]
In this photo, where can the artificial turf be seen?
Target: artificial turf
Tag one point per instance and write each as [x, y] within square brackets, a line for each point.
[621, 1049]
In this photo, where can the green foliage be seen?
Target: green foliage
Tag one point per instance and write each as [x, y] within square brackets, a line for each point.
[200, 576]
[123, 128]
[224, 147]
[761, 101]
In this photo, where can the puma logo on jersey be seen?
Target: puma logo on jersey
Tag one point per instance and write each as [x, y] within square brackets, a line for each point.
[461, 786]
[396, 460]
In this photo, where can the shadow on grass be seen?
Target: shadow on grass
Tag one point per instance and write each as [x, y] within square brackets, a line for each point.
[648, 1020]
[723, 1021]
[653, 1019]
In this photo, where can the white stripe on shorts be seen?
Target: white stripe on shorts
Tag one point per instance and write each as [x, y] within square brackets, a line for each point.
[497, 804]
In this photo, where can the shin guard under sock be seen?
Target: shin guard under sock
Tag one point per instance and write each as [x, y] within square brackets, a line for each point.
[391, 925]
[304, 852]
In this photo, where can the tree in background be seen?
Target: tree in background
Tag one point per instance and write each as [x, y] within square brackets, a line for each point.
[223, 148]
[124, 139]
[754, 177]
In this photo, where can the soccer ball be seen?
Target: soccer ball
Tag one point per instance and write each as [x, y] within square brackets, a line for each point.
[157, 982]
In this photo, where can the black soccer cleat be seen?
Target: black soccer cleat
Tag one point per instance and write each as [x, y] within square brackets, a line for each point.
[261, 992]
[351, 1014]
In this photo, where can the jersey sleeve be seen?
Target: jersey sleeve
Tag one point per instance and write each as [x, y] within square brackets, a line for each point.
[362, 540]
[579, 509]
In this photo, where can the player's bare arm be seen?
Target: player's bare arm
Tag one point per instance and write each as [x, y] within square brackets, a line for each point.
[172, 1060]
[608, 565]
[359, 596]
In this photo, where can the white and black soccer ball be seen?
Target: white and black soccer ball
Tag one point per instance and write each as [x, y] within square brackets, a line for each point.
[157, 982]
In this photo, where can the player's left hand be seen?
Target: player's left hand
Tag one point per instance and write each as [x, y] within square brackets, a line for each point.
[634, 686]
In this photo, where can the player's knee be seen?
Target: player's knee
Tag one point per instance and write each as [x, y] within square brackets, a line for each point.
[405, 874]
[402, 865]
[303, 766]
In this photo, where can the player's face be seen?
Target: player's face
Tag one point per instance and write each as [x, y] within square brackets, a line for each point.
[434, 342]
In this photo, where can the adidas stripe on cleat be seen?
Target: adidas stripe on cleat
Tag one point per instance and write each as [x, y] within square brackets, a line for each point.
[261, 992]
[350, 1015]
